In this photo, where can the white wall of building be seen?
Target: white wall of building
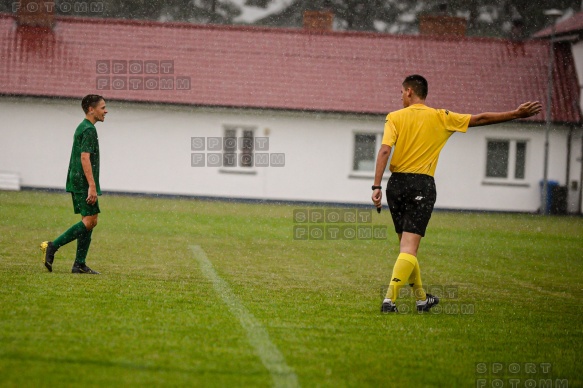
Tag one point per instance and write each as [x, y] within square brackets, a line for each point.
[575, 197]
[147, 149]
[462, 166]
[575, 193]
[577, 50]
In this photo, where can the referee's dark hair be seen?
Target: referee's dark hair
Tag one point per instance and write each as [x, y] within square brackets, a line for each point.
[90, 100]
[418, 84]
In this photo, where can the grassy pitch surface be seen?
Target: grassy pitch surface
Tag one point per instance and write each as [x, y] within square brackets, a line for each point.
[271, 310]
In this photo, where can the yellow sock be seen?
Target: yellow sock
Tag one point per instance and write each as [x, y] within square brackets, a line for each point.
[415, 282]
[402, 270]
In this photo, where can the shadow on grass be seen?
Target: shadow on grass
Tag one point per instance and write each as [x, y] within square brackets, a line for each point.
[122, 365]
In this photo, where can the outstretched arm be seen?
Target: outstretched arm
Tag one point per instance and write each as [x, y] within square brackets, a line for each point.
[523, 111]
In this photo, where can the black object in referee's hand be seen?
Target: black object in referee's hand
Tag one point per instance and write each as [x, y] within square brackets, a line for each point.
[378, 188]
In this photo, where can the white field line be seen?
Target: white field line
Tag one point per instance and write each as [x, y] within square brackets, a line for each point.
[281, 373]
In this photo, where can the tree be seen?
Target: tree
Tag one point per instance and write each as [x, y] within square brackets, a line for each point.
[195, 11]
[349, 14]
[519, 18]
[497, 18]
[485, 17]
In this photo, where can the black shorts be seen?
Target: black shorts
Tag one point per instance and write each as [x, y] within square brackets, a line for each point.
[411, 198]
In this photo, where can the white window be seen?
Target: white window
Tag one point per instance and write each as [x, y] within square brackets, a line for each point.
[238, 148]
[506, 160]
[366, 148]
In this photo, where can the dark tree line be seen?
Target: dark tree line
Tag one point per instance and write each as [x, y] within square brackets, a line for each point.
[195, 11]
[485, 17]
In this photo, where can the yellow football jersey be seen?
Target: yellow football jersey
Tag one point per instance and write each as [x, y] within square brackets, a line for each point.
[418, 134]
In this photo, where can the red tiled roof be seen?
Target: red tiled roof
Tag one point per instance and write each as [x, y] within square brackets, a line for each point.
[282, 68]
[573, 24]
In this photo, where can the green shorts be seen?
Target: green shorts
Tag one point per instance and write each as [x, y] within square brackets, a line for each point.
[80, 205]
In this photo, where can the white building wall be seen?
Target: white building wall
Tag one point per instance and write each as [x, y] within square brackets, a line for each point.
[147, 149]
[574, 201]
[575, 194]
[460, 174]
[577, 50]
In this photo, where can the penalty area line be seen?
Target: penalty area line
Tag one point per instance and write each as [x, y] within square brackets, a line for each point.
[271, 357]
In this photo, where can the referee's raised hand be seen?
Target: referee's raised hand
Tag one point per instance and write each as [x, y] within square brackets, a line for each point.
[529, 109]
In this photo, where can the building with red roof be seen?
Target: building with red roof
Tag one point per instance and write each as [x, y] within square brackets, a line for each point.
[571, 26]
[567, 35]
[319, 98]
[248, 67]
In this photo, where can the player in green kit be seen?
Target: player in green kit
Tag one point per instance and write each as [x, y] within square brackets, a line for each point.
[83, 184]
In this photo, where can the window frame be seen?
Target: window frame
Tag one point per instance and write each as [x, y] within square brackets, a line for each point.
[239, 133]
[378, 142]
[510, 179]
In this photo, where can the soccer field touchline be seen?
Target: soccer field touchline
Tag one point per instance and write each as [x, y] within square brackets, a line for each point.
[271, 357]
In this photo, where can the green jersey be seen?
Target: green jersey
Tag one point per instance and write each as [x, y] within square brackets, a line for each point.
[85, 140]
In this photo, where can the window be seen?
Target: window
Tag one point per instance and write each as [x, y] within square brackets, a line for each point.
[238, 147]
[247, 148]
[505, 160]
[366, 148]
[520, 160]
[230, 148]
[497, 159]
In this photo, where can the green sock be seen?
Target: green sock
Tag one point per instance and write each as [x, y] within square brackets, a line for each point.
[83, 243]
[73, 233]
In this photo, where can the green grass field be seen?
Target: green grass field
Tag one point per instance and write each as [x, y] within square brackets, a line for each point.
[266, 309]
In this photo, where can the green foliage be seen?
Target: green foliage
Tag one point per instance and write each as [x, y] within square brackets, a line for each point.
[485, 17]
[488, 17]
[195, 11]
[6, 6]
[152, 317]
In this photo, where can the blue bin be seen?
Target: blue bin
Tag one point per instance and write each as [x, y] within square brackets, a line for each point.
[551, 188]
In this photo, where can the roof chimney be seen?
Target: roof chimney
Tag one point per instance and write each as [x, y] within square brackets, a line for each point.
[318, 20]
[36, 13]
[442, 24]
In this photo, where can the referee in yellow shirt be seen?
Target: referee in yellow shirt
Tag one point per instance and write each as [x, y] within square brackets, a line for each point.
[418, 133]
